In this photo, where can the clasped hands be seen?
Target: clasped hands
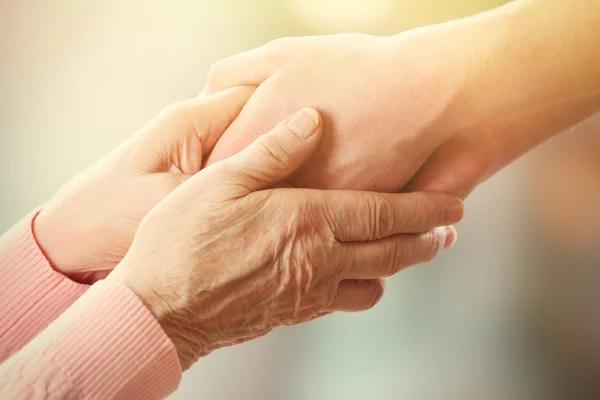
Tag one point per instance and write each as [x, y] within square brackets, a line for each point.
[223, 254]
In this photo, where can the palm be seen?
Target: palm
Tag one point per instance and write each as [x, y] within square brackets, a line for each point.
[87, 228]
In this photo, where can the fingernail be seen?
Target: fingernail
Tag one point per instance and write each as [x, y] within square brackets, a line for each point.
[304, 123]
[453, 213]
[451, 237]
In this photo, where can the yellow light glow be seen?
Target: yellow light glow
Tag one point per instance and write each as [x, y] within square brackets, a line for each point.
[340, 15]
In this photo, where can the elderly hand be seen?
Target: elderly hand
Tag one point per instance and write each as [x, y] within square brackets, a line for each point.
[87, 228]
[226, 257]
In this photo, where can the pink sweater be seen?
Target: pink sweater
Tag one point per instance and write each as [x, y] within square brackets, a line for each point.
[60, 339]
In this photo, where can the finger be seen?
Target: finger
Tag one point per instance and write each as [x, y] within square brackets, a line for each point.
[358, 295]
[272, 157]
[388, 256]
[247, 68]
[178, 138]
[359, 216]
[211, 115]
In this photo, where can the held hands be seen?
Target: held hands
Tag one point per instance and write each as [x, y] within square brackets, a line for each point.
[388, 103]
[407, 112]
[225, 258]
[87, 228]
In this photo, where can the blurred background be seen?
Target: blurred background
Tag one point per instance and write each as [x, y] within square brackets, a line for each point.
[510, 313]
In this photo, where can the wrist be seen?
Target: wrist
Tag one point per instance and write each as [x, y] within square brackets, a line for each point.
[110, 347]
[478, 65]
[515, 134]
[453, 61]
[54, 236]
[162, 305]
[527, 79]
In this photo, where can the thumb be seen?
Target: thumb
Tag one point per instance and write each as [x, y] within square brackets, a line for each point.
[273, 156]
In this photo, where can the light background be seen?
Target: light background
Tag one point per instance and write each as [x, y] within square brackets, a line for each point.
[78, 77]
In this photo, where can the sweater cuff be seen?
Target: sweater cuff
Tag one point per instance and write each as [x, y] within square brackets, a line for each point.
[33, 293]
[111, 346]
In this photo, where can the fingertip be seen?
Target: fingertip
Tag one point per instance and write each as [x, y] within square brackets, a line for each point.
[277, 154]
[379, 285]
[453, 212]
[354, 295]
[305, 123]
[451, 236]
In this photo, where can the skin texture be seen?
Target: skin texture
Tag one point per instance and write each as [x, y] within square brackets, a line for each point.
[101, 208]
[471, 156]
[225, 258]
[382, 111]
[437, 108]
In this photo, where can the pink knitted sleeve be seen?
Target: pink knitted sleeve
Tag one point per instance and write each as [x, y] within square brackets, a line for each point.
[103, 344]
[107, 345]
[32, 294]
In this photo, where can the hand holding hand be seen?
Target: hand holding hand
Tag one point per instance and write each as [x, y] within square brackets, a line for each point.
[459, 97]
[87, 228]
[224, 259]
[386, 105]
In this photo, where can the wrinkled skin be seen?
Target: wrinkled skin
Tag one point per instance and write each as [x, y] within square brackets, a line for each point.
[86, 229]
[385, 108]
[224, 258]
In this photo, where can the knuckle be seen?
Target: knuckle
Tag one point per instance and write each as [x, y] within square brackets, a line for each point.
[329, 212]
[398, 258]
[298, 213]
[273, 150]
[382, 217]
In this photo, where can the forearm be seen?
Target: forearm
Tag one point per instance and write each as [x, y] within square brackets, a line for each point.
[524, 56]
[518, 74]
[532, 54]
[502, 104]
[515, 134]
[540, 75]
